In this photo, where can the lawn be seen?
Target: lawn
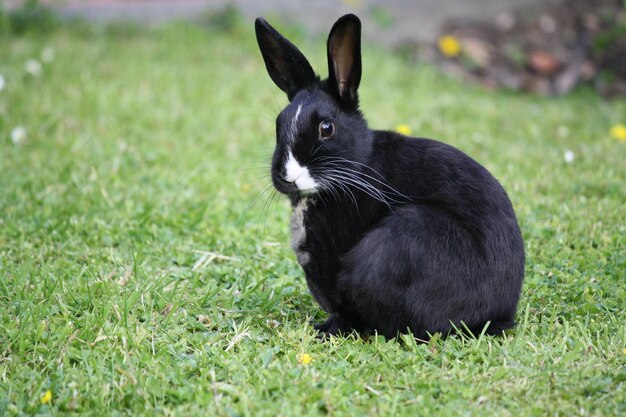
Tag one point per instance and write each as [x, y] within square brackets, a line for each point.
[145, 266]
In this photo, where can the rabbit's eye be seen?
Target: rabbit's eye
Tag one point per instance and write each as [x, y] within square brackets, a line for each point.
[327, 129]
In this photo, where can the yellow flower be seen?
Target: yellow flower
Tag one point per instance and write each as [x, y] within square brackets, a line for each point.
[449, 46]
[245, 187]
[624, 351]
[47, 397]
[304, 359]
[618, 132]
[403, 130]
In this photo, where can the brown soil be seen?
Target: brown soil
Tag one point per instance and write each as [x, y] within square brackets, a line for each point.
[549, 51]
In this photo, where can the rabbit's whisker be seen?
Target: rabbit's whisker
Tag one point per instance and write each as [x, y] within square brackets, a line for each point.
[356, 175]
[382, 181]
[344, 179]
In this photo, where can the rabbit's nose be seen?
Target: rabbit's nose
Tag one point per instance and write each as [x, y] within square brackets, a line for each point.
[282, 181]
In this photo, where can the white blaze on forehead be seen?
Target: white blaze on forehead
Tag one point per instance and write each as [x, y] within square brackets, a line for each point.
[294, 124]
[298, 174]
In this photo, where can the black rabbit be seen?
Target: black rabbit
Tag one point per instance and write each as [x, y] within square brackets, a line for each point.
[394, 234]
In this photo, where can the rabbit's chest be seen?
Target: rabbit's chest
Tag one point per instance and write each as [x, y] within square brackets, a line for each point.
[298, 231]
[320, 233]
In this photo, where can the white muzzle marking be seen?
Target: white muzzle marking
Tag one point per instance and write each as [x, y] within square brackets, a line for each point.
[299, 175]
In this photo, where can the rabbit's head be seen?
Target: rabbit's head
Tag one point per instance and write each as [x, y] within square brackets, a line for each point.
[321, 130]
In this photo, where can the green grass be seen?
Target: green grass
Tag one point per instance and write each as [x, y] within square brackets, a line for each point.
[145, 147]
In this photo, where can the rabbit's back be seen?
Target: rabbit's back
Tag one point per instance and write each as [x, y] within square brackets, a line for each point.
[420, 269]
[453, 254]
[445, 180]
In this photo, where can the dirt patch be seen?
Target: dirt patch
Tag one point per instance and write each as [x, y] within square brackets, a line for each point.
[548, 50]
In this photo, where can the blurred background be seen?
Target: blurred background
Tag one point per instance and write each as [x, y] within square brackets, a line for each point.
[547, 47]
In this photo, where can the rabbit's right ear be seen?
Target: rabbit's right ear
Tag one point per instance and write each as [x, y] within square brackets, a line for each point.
[286, 65]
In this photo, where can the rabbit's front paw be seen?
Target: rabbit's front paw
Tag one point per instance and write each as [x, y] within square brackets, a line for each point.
[334, 326]
[323, 327]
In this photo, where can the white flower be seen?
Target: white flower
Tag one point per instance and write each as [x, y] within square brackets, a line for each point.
[2, 82]
[33, 67]
[569, 156]
[18, 134]
[47, 55]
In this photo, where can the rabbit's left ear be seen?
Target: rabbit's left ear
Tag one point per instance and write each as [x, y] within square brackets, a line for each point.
[344, 58]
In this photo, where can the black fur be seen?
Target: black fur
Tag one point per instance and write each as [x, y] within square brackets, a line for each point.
[399, 233]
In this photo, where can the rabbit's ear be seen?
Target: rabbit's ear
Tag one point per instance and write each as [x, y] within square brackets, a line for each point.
[344, 57]
[286, 65]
